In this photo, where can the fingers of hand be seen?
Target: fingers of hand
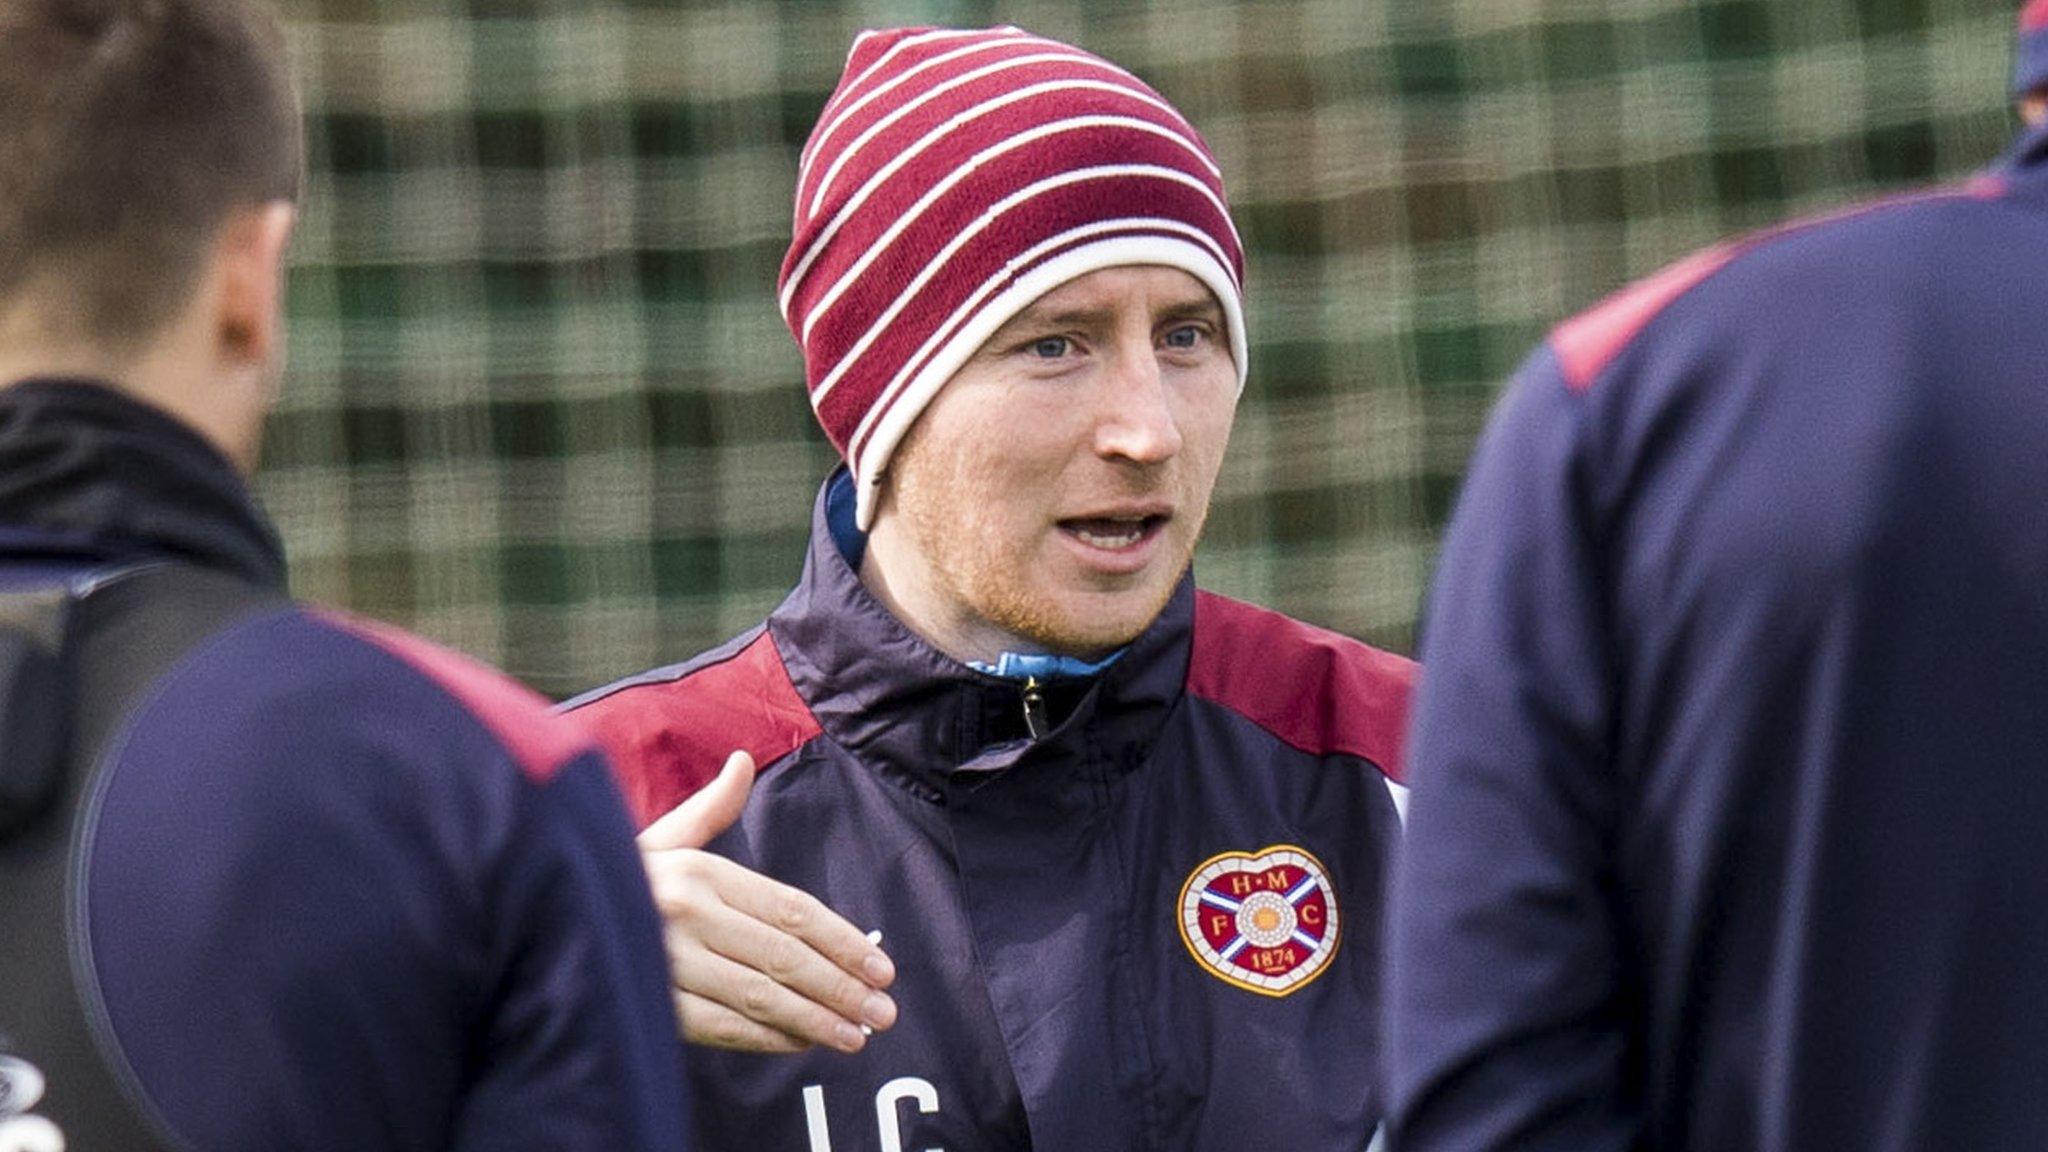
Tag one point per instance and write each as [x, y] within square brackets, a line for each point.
[714, 1025]
[759, 999]
[697, 821]
[795, 964]
[799, 914]
[757, 947]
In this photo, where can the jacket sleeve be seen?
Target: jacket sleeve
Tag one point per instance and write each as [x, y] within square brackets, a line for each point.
[327, 906]
[1507, 1023]
[573, 1047]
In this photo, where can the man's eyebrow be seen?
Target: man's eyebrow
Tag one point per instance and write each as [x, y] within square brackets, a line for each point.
[1202, 308]
[1064, 318]
[1193, 308]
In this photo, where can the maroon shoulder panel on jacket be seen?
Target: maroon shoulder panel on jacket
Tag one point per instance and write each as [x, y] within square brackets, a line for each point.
[2034, 17]
[1313, 689]
[540, 741]
[1587, 343]
[669, 738]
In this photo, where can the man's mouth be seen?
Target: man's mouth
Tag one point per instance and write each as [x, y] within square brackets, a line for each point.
[1114, 533]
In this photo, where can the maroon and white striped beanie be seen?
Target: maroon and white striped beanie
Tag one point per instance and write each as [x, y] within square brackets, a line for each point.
[954, 177]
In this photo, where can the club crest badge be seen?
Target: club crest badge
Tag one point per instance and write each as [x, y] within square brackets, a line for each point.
[1265, 921]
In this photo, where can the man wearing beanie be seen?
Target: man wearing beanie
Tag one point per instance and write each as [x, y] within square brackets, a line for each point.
[1122, 843]
[1729, 768]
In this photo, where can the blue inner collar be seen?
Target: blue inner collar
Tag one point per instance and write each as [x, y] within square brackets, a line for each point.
[1039, 666]
[840, 518]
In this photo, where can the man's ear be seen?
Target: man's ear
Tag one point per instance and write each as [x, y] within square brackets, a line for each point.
[249, 255]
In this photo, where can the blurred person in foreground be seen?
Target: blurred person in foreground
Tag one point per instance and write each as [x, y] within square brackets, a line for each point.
[1732, 762]
[269, 877]
[1124, 842]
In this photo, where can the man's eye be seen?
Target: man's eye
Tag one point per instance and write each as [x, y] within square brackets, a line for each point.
[1050, 348]
[1185, 336]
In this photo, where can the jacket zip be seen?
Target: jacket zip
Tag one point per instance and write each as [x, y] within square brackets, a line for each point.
[1034, 709]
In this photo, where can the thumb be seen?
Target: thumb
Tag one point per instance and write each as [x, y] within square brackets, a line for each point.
[697, 821]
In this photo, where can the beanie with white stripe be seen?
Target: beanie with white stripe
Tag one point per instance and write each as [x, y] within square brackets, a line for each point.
[954, 177]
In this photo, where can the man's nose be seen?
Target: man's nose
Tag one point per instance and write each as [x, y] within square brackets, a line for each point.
[1135, 420]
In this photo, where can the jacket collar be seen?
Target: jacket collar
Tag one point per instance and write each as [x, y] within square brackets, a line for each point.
[883, 693]
[88, 470]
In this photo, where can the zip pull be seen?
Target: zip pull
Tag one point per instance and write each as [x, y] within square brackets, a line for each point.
[1035, 721]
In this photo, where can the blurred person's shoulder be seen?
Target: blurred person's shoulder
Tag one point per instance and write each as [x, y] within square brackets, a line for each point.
[1791, 281]
[389, 853]
[538, 741]
[310, 691]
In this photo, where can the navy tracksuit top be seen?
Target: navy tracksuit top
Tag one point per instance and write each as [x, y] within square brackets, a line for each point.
[331, 886]
[1155, 927]
[1731, 766]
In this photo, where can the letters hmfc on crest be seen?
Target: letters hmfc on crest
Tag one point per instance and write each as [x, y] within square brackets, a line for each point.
[1264, 921]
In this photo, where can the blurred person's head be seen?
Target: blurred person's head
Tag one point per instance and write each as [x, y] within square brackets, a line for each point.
[150, 162]
[2031, 73]
[1018, 291]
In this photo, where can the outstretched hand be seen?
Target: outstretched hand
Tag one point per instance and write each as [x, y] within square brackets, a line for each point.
[756, 965]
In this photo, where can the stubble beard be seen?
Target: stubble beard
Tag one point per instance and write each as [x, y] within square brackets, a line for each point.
[994, 587]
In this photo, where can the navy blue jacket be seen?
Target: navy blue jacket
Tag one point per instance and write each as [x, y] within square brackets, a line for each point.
[1156, 927]
[333, 887]
[1731, 767]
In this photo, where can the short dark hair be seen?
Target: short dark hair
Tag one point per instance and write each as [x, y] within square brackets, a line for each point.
[130, 130]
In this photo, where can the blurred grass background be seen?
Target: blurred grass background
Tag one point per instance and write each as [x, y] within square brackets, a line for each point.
[541, 406]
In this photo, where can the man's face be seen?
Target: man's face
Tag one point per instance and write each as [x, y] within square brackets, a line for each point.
[1050, 495]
